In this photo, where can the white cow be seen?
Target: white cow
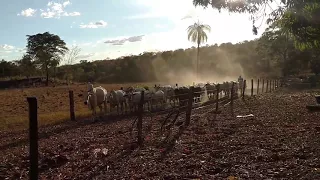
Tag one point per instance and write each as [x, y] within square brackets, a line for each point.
[134, 99]
[96, 96]
[117, 98]
[168, 92]
[158, 97]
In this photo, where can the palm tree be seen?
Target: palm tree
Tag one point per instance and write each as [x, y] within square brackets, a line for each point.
[197, 34]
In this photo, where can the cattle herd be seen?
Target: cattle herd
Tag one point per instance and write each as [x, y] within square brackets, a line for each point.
[128, 99]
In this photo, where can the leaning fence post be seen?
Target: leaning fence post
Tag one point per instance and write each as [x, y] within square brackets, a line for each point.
[258, 86]
[139, 123]
[267, 88]
[244, 88]
[251, 87]
[189, 107]
[33, 137]
[71, 101]
[262, 90]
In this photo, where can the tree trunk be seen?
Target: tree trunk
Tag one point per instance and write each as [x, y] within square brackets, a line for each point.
[198, 51]
[47, 74]
[54, 74]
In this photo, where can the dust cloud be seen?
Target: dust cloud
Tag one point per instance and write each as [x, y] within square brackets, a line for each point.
[224, 68]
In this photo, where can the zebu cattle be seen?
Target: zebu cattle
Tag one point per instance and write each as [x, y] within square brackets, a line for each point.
[132, 89]
[211, 90]
[182, 94]
[96, 97]
[134, 99]
[235, 88]
[228, 86]
[158, 97]
[168, 92]
[117, 98]
[225, 88]
[199, 91]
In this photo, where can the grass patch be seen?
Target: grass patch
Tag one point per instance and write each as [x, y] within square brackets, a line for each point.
[22, 122]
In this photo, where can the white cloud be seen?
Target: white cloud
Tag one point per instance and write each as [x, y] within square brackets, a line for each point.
[85, 55]
[6, 47]
[64, 4]
[122, 41]
[160, 26]
[53, 10]
[27, 12]
[94, 25]
[57, 10]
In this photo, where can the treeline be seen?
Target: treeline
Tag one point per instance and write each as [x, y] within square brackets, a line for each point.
[272, 55]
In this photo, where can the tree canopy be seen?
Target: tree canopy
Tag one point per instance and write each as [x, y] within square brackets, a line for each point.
[301, 18]
[47, 49]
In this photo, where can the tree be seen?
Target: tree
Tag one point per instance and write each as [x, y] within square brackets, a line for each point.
[197, 34]
[70, 57]
[8, 69]
[27, 65]
[54, 63]
[47, 49]
[72, 54]
[303, 21]
[299, 17]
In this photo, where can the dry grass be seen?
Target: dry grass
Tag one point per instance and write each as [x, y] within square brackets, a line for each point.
[53, 104]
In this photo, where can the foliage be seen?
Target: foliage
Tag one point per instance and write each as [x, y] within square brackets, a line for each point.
[47, 49]
[274, 54]
[8, 69]
[197, 34]
[27, 65]
[300, 18]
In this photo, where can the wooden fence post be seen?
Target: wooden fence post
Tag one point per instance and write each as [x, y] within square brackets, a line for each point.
[244, 88]
[267, 88]
[258, 84]
[139, 123]
[270, 85]
[189, 107]
[71, 102]
[33, 137]
[251, 87]
[232, 95]
[262, 86]
[217, 97]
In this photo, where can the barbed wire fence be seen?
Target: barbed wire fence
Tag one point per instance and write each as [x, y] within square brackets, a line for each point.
[185, 102]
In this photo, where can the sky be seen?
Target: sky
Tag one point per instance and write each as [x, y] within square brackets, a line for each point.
[113, 28]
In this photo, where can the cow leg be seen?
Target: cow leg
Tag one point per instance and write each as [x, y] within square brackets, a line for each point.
[101, 112]
[105, 107]
[94, 114]
[122, 108]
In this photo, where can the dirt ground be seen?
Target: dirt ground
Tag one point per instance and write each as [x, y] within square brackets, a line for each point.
[281, 141]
